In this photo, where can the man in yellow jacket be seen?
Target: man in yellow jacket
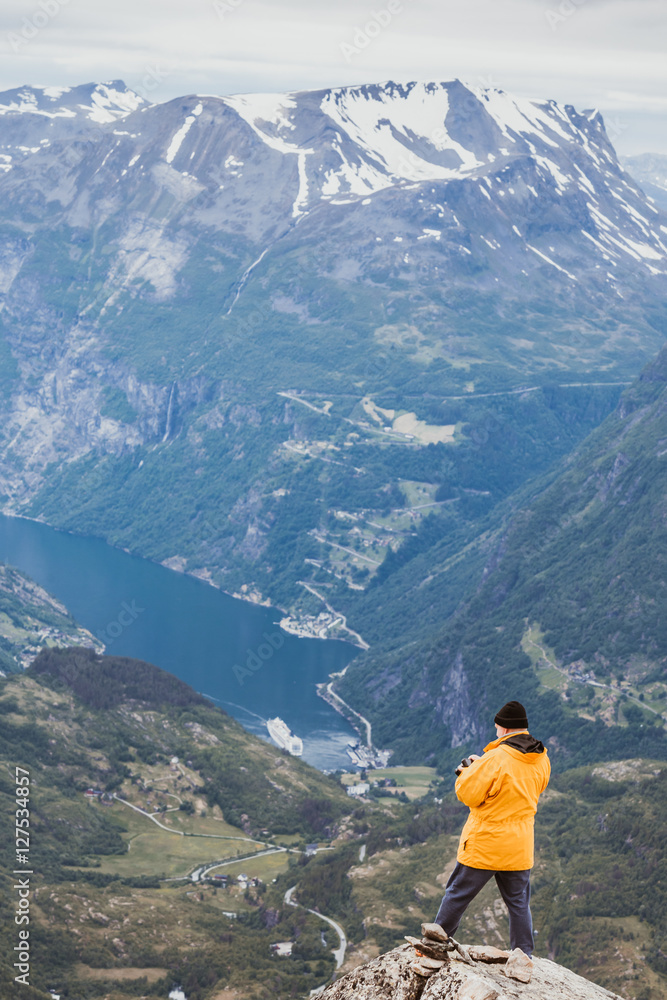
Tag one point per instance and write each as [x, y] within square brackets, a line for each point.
[501, 788]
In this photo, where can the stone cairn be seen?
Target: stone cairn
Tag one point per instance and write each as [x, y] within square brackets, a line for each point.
[434, 949]
[436, 967]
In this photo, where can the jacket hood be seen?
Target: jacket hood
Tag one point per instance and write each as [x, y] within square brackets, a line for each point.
[523, 742]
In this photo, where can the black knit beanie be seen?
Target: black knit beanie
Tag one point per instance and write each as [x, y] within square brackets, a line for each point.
[512, 716]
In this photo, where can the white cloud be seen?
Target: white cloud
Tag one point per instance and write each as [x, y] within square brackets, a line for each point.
[604, 53]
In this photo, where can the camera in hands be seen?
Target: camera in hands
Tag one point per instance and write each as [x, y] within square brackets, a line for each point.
[466, 762]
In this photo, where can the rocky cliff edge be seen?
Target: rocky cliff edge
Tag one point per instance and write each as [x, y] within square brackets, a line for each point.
[392, 977]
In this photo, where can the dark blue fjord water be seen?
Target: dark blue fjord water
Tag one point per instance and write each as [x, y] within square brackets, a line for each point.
[192, 630]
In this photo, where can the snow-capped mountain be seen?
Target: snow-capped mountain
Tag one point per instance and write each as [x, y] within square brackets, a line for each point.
[95, 102]
[351, 143]
[429, 235]
[267, 160]
[239, 335]
[32, 118]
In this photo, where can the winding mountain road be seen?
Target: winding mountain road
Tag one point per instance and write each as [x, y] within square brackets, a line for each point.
[339, 952]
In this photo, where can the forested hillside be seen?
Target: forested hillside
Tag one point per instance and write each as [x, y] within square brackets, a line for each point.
[567, 614]
[284, 331]
[138, 788]
[31, 618]
[122, 755]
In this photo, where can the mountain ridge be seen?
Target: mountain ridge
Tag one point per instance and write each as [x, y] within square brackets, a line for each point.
[137, 787]
[176, 290]
[567, 610]
[149, 917]
[268, 367]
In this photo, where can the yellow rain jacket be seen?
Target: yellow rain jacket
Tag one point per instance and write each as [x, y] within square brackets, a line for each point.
[501, 789]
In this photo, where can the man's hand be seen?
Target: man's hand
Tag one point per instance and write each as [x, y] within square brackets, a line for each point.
[466, 762]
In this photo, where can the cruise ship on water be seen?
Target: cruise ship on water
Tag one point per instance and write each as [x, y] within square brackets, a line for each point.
[281, 734]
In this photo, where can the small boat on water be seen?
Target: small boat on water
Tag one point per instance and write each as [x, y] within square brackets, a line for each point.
[281, 734]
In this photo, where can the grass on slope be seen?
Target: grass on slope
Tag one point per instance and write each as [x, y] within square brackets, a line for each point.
[599, 887]
[97, 902]
[152, 851]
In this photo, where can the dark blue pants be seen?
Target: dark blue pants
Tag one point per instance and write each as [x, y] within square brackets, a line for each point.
[464, 884]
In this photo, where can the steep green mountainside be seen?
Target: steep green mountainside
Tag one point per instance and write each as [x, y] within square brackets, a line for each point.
[113, 888]
[118, 909]
[312, 489]
[263, 350]
[236, 765]
[31, 618]
[598, 887]
[567, 613]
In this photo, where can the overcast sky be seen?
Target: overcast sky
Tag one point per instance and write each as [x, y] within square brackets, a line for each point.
[608, 54]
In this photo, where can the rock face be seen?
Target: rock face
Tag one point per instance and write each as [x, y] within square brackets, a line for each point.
[391, 977]
[196, 296]
[236, 218]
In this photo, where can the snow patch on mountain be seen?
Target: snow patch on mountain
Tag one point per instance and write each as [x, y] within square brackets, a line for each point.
[259, 110]
[27, 101]
[301, 200]
[101, 103]
[552, 262]
[108, 103]
[179, 136]
[386, 126]
[520, 169]
[516, 117]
